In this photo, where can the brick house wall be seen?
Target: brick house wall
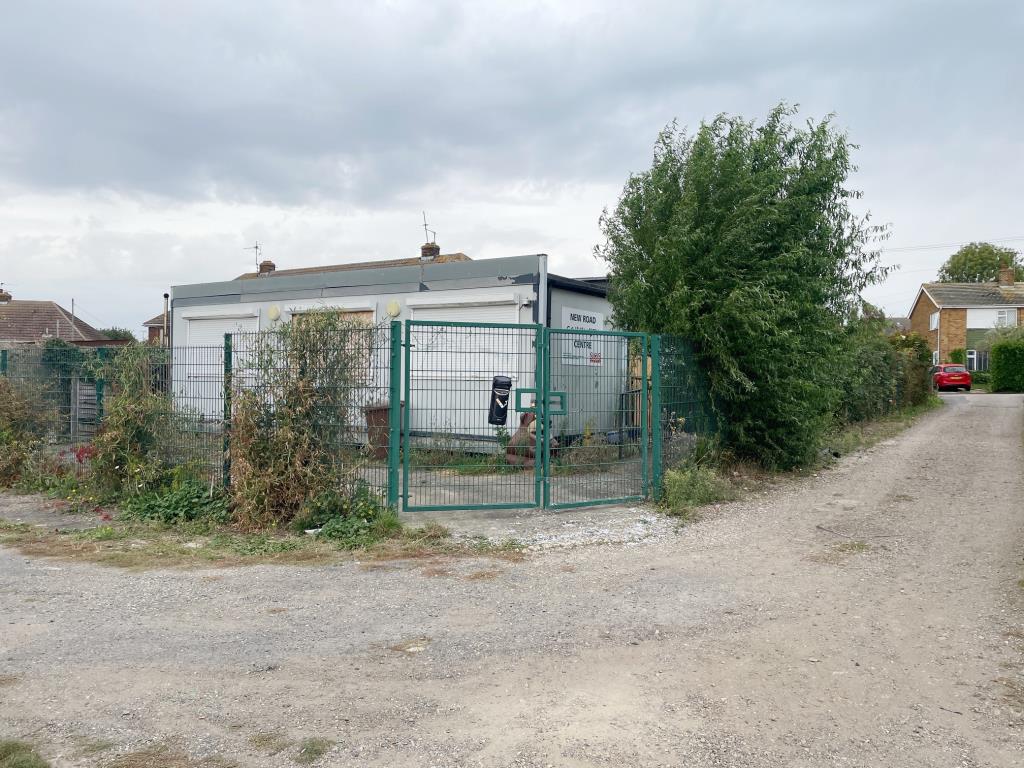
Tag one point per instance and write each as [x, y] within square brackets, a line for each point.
[919, 320]
[952, 332]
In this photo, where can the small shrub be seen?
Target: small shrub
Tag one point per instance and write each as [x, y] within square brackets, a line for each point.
[128, 451]
[693, 486]
[23, 423]
[184, 501]
[299, 412]
[1006, 366]
[958, 356]
[981, 379]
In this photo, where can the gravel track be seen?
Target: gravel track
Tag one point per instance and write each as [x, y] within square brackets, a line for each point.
[869, 616]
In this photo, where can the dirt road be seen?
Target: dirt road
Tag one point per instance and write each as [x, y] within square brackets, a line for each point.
[871, 616]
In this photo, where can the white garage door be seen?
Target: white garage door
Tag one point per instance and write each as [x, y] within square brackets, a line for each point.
[199, 366]
[209, 331]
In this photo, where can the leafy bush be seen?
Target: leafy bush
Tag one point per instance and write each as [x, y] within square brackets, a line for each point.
[294, 424]
[1006, 366]
[331, 504]
[915, 360]
[868, 372]
[357, 531]
[130, 447]
[981, 379]
[24, 420]
[958, 355]
[692, 486]
[186, 500]
[741, 239]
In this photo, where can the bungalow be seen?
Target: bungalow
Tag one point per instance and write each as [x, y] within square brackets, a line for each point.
[955, 316]
[450, 373]
[31, 322]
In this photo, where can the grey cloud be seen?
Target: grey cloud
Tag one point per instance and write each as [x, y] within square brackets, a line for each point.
[291, 102]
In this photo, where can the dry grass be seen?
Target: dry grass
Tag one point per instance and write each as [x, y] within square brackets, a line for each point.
[162, 756]
[142, 546]
[312, 749]
[271, 742]
[88, 747]
[483, 575]
[20, 754]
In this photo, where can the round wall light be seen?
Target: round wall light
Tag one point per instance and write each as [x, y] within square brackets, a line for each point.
[394, 309]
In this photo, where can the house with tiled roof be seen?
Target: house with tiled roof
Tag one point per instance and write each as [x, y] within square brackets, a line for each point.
[958, 315]
[31, 322]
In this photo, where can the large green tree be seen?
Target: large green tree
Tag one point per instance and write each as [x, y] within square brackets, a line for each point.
[980, 263]
[741, 238]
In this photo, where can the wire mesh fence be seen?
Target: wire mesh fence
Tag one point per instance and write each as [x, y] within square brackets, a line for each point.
[598, 411]
[58, 385]
[327, 386]
[684, 415]
[587, 417]
[453, 455]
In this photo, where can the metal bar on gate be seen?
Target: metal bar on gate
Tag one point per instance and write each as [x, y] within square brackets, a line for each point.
[645, 486]
[543, 420]
[226, 468]
[539, 464]
[407, 387]
[656, 415]
[394, 412]
[101, 355]
[3, 362]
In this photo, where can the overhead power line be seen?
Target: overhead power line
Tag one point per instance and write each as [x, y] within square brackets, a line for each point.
[937, 246]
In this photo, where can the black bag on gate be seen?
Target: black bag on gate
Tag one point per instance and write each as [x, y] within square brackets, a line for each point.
[501, 388]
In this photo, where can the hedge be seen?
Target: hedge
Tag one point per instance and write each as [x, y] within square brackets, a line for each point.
[1006, 365]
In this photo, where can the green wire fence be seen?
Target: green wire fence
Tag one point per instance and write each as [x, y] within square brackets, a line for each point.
[591, 416]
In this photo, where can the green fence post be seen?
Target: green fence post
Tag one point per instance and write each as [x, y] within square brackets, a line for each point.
[3, 362]
[394, 413]
[226, 427]
[101, 355]
[407, 389]
[656, 416]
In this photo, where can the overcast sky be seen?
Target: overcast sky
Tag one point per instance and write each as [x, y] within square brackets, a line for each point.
[144, 145]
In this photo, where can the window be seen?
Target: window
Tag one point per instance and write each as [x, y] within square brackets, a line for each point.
[935, 357]
[1006, 317]
[972, 359]
[933, 321]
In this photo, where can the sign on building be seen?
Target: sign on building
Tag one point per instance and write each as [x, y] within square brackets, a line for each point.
[581, 349]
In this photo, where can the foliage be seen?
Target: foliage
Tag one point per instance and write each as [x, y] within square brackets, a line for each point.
[130, 446]
[980, 263]
[694, 485]
[915, 360]
[742, 240]
[23, 423]
[1006, 366]
[869, 372]
[1000, 334]
[185, 500]
[958, 355]
[981, 379]
[296, 417]
[118, 334]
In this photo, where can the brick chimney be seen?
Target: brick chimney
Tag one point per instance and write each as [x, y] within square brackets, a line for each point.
[429, 251]
[1006, 275]
[266, 267]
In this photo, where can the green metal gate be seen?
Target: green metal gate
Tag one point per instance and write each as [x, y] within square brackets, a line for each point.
[578, 426]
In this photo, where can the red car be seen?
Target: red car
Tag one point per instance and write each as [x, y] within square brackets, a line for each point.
[951, 376]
